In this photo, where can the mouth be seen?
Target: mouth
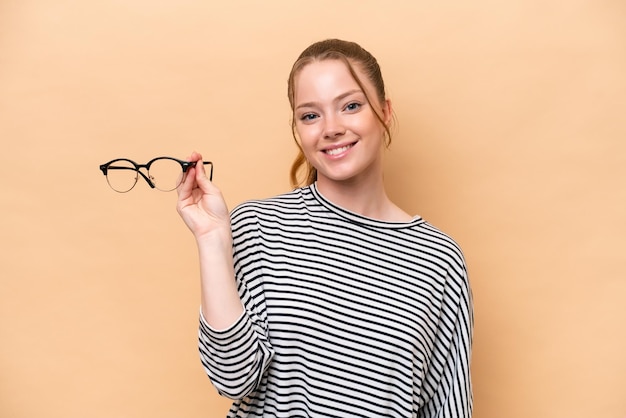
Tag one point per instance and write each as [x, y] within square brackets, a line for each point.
[339, 150]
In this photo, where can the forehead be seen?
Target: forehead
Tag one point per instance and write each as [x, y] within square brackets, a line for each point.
[327, 77]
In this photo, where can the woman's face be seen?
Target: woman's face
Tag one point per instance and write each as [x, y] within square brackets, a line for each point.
[339, 133]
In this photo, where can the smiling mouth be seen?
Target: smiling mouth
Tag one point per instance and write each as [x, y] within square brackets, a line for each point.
[337, 151]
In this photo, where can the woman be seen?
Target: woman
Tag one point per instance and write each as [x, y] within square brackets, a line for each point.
[330, 300]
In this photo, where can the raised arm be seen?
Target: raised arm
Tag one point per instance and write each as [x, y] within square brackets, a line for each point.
[233, 342]
[204, 211]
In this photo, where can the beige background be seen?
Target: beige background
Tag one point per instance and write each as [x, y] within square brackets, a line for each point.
[511, 137]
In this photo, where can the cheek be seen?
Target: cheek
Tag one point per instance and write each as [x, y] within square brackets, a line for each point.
[374, 127]
[307, 134]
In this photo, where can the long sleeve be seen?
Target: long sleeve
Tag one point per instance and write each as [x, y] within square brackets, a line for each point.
[448, 382]
[236, 358]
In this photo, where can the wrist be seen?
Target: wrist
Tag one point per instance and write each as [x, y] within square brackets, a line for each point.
[216, 238]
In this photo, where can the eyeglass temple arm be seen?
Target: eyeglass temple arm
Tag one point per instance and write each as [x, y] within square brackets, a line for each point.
[112, 167]
[147, 179]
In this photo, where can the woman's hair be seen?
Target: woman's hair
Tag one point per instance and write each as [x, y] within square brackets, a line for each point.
[351, 54]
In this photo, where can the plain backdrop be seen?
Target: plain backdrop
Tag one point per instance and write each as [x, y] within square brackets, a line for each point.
[511, 137]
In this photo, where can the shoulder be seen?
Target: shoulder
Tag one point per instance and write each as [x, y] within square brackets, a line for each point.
[437, 242]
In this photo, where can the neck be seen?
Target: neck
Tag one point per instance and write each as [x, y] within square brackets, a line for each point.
[368, 198]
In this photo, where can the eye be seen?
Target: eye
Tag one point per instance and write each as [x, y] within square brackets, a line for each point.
[352, 106]
[307, 117]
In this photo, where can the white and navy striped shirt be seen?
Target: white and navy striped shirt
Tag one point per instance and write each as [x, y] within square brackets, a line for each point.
[345, 316]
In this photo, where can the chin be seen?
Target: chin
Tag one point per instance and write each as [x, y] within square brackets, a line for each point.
[337, 177]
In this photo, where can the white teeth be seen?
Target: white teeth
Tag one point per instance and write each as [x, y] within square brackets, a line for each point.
[338, 150]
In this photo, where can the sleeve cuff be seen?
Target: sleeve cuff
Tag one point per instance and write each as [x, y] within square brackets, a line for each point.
[222, 334]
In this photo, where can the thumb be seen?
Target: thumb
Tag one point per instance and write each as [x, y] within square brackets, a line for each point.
[202, 179]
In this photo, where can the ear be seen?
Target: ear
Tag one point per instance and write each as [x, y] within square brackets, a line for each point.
[387, 111]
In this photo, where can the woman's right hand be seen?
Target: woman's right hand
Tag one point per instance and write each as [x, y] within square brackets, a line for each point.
[200, 202]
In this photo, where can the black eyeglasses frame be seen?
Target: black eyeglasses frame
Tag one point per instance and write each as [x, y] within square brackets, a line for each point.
[185, 165]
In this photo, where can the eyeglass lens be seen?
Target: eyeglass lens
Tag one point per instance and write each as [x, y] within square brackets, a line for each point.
[122, 176]
[165, 174]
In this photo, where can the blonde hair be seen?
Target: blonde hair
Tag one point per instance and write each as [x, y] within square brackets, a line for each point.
[349, 53]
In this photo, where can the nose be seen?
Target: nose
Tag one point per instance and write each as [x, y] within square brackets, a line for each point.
[333, 128]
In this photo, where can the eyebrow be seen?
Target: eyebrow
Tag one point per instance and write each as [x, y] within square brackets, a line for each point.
[336, 99]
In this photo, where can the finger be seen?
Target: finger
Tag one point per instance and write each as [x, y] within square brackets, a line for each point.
[195, 156]
[185, 187]
[187, 184]
[201, 177]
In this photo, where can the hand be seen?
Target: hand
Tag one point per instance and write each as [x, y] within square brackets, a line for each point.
[200, 202]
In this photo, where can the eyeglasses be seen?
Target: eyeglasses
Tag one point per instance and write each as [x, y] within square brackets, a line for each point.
[163, 173]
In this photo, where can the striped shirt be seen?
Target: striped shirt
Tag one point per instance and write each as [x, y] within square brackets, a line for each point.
[345, 316]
